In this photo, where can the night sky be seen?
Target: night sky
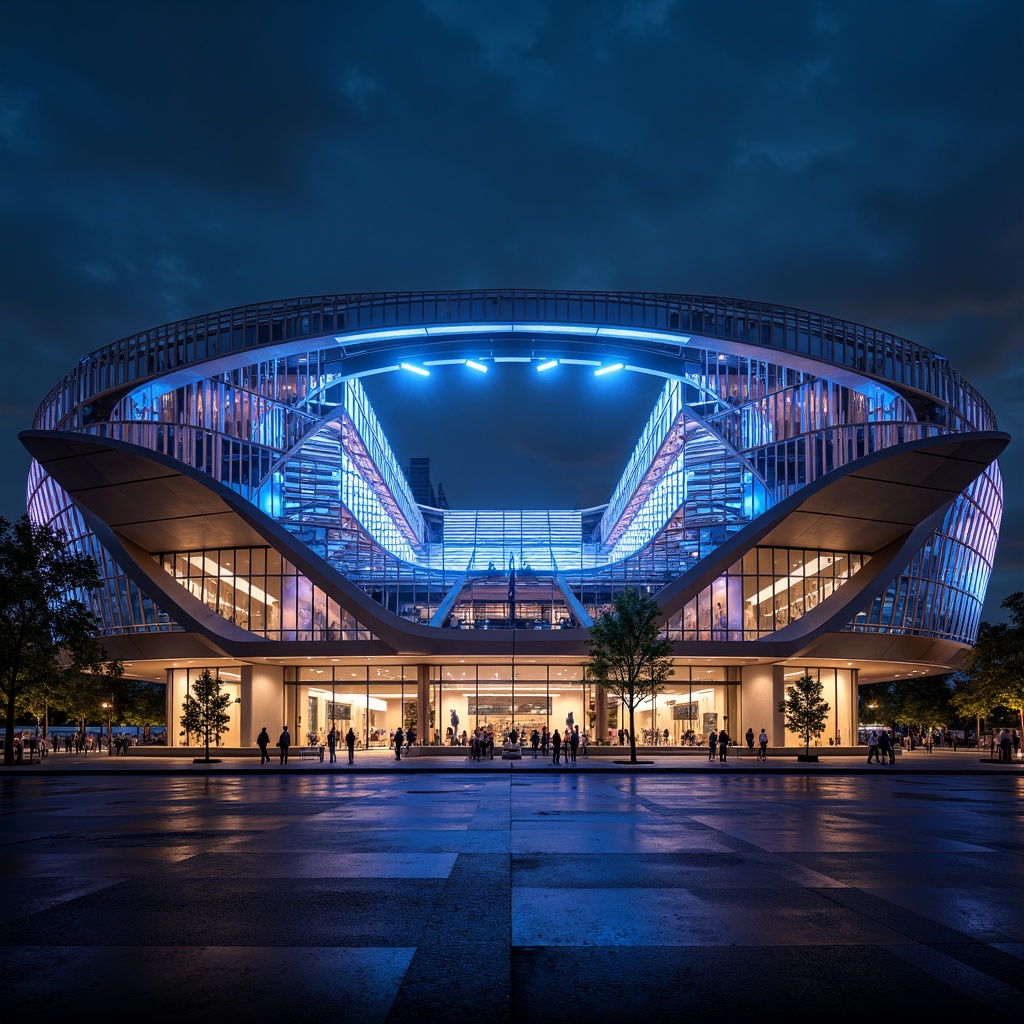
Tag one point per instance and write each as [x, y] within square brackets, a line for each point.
[863, 160]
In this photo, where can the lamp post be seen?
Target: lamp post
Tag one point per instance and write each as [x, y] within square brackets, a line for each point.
[108, 706]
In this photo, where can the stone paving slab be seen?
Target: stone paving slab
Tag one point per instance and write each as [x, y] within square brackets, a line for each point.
[603, 895]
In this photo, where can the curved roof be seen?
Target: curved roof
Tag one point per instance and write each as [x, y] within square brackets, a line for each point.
[373, 332]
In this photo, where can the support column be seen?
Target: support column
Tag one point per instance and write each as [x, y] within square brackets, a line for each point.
[854, 724]
[262, 691]
[601, 712]
[171, 719]
[758, 700]
[777, 733]
[426, 730]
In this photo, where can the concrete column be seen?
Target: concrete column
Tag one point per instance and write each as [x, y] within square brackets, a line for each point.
[601, 712]
[851, 738]
[757, 701]
[263, 703]
[173, 740]
[425, 732]
[777, 732]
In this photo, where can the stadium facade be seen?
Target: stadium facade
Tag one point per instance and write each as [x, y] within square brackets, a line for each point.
[808, 495]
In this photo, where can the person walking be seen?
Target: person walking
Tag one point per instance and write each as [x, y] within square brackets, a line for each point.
[1005, 746]
[762, 739]
[723, 746]
[556, 746]
[399, 741]
[873, 747]
[885, 748]
[712, 745]
[574, 743]
[350, 742]
[284, 742]
[263, 741]
[332, 745]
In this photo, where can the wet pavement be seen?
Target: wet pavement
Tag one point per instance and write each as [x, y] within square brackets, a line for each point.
[432, 888]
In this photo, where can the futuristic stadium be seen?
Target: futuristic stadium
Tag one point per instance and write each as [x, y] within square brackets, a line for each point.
[808, 495]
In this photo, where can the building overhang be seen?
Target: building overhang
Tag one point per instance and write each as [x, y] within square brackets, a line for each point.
[880, 505]
[143, 503]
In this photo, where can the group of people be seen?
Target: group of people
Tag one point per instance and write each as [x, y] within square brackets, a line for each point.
[1008, 745]
[566, 747]
[481, 745]
[880, 747]
[350, 742]
[719, 742]
[284, 742]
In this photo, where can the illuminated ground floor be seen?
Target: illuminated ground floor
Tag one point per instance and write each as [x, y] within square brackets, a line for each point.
[446, 703]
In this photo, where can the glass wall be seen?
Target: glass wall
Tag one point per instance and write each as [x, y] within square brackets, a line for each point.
[487, 697]
[257, 589]
[837, 692]
[179, 683]
[694, 702]
[372, 700]
[766, 590]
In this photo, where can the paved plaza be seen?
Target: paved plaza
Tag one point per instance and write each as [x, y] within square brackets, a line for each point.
[433, 890]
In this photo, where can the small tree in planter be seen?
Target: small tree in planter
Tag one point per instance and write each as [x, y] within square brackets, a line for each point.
[204, 712]
[805, 711]
[628, 655]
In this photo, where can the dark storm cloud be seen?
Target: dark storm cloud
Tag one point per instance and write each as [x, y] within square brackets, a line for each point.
[863, 160]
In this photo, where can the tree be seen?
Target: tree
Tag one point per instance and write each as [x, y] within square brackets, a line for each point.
[141, 703]
[878, 703]
[204, 710]
[993, 671]
[805, 711]
[924, 702]
[43, 617]
[628, 656]
[82, 691]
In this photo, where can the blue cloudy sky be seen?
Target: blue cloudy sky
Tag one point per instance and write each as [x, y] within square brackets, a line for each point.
[863, 160]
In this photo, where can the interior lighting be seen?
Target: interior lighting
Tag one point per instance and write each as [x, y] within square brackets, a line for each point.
[211, 569]
[474, 365]
[811, 568]
[550, 364]
[608, 369]
[415, 369]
